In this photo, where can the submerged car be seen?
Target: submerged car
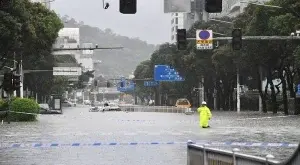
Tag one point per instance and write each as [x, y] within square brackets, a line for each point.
[105, 107]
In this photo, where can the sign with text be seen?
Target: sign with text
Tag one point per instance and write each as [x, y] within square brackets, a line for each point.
[151, 83]
[166, 73]
[204, 39]
[66, 71]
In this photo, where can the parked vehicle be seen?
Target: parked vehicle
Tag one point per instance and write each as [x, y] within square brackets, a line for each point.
[105, 107]
[68, 104]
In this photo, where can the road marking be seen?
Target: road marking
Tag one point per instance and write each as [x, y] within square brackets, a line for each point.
[78, 144]
[268, 117]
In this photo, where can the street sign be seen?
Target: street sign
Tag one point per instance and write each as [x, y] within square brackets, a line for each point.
[177, 6]
[298, 89]
[87, 52]
[129, 86]
[151, 83]
[204, 39]
[166, 73]
[66, 71]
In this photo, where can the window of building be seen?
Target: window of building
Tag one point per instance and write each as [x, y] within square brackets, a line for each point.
[172, 21]
[176, 14]
[176, 27]
[176, 20]
[172, 38]
[172, 29]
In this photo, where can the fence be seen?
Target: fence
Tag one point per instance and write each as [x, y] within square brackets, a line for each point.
[163, 109]
[202, 155]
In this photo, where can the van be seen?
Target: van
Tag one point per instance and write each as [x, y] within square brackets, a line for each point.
[183, 103]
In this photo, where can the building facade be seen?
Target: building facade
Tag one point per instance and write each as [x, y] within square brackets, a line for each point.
[230, 8]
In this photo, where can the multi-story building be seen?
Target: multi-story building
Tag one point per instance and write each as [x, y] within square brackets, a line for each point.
[186, 20]
[47, 3]
[230, 8]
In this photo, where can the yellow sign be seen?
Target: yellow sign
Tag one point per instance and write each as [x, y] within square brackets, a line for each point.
[204, 41]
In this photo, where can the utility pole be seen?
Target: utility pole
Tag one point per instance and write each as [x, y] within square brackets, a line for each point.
[22, 78]
[202, 89]
[215, 98]
[15, 92]
[238, 103]
[260, 106]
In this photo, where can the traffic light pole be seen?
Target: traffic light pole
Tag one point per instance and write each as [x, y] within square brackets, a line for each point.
[256, 38]
[62, 49]
[9, 107]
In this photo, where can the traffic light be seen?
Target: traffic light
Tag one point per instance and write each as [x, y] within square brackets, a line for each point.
[122, 84]
[128, 6]
[16, 82]
[7, 82]
[181, 39]
[237, 39]
[213, 6]
[95, 83]
[108, 84]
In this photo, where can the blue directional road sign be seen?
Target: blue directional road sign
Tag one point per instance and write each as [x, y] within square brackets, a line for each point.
[151, 83]
[166, 73]
[129, 86]
[298, 89]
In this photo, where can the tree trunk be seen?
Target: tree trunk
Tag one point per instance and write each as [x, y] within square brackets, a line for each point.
[284, 93]
[261, 94]
[290, 83]
[273, 93]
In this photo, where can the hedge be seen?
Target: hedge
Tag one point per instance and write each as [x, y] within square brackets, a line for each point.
[21, 105]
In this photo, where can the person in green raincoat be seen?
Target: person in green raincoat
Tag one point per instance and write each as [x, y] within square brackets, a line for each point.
[205, 115]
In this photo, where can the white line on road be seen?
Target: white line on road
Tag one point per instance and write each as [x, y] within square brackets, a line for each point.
[269, 117]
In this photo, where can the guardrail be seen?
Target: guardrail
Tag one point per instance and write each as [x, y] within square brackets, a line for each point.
[163, 109]
[203, 155]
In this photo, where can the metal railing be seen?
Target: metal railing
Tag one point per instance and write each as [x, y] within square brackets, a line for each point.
[202, 155]
[163, 109]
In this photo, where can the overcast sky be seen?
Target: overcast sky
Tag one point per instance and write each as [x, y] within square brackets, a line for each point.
[149, 23]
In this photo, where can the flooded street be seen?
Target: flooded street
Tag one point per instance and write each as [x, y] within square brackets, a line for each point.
[80, 137]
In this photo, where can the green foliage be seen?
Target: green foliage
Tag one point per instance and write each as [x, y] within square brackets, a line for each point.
[29, 30]
[277, 59]
[24, 105]
[84, 78]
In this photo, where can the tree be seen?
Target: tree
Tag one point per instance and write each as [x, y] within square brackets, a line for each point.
[258, 60]
[29, 31]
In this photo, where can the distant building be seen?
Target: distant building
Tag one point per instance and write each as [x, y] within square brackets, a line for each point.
[68, 38]
[231, 8]
[47, 3]
[186, 20]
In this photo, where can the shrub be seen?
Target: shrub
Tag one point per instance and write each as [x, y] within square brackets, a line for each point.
[3, 108]
[24, 105]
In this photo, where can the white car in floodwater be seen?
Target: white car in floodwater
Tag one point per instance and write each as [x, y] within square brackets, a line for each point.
[105, 107]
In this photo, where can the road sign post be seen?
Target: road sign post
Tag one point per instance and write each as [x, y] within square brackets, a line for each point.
[204, 39]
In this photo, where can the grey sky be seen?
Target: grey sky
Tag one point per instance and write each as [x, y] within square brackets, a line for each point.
[150, 23]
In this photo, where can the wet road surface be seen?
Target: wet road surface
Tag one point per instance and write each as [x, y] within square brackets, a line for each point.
[79, 137]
